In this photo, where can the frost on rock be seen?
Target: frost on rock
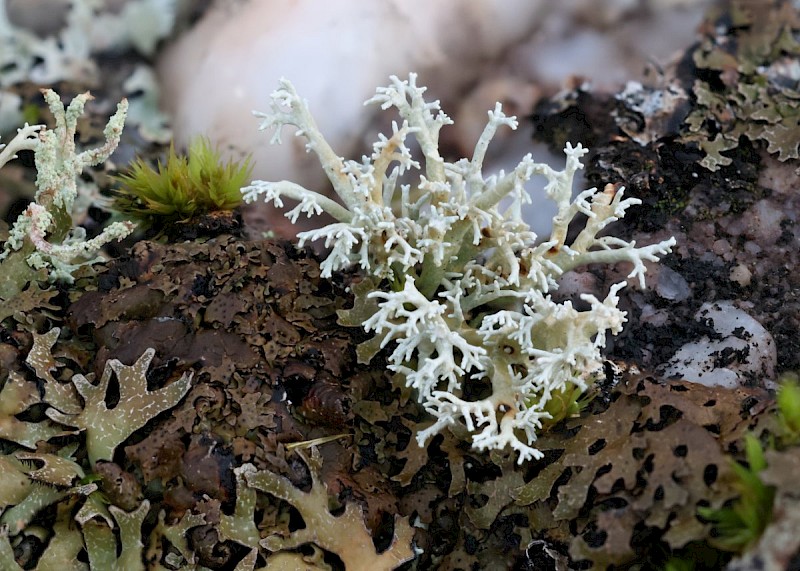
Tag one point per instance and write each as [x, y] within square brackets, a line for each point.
[468, 297]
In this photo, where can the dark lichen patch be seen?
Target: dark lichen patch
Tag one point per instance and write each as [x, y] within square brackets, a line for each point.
[637, 481]
[667, 177]
[288, 384]
[251, 324]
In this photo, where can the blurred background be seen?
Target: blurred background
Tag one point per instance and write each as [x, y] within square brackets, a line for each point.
[201, 67]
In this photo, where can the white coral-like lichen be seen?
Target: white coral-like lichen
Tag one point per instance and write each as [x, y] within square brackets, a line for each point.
[469, 298]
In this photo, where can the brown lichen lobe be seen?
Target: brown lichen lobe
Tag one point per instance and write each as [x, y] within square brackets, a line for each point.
[239, 413]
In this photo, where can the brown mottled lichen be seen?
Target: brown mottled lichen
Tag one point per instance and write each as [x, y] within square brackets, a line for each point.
[619, 484]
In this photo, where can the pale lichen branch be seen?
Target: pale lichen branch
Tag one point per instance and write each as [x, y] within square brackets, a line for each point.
[469, 286]
[43, 234]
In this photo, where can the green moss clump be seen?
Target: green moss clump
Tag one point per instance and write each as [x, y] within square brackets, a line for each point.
[741, 524]
[788, 400]
[183, 187]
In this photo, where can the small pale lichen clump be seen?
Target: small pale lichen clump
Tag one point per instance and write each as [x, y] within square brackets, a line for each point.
[469, 287]
[44, 235]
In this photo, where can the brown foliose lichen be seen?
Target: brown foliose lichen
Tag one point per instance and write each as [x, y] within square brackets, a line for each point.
[215, 482]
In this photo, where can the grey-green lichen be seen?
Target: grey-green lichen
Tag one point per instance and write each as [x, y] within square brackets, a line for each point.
[95, 531]
[106, 429]
[16, 397]
[72, 52]
[344, 534]
[747, 84]
[90, 28]
[44, 242]
[101, 542]
[53, 475]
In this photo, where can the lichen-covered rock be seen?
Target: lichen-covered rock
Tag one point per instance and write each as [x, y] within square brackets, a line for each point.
[274, 374]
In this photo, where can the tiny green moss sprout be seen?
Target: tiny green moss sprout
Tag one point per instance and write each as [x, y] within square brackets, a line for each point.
[567, 402]
[789, 409]
[695, 556]
[183, 187]
[739, 525]
[677, 564]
